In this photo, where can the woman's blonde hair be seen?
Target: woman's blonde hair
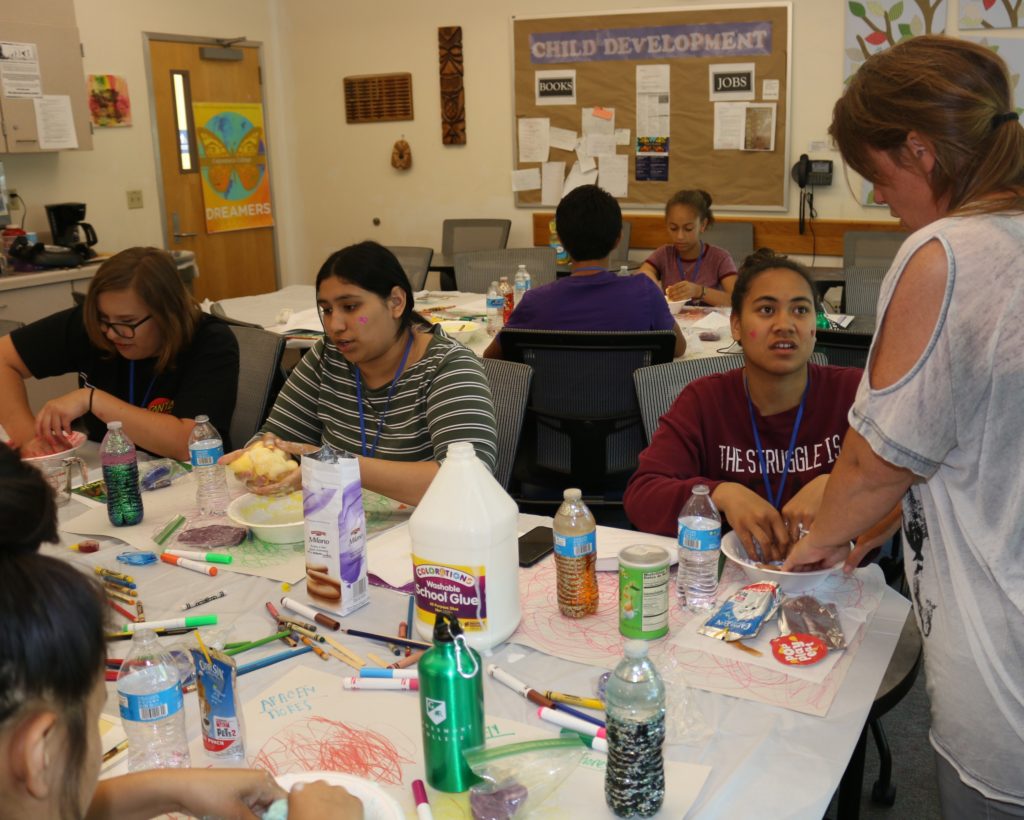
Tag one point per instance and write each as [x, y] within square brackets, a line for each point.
[152, 274]
[956, 94]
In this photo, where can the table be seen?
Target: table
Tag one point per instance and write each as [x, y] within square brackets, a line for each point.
[753, 749]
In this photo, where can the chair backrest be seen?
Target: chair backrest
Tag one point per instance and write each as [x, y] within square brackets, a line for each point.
[659, 385]
[7, 325]
[415, 261]
[862, 286]
[620, 254]
[735, 237]
[259, 365]
[874, 249]
[583, 426]
[474, 271]
[510, 389]
[844, 348]
[461, 235]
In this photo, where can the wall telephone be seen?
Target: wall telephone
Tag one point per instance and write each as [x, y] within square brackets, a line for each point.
[813, 172]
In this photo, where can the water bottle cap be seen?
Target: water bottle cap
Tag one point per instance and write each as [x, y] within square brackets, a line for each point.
[701, 489]
[572, 494]
[461, 450]
[635, 649]
[113, 425]
[202, 419]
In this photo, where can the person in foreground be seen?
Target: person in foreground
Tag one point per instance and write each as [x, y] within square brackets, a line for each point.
[52, 692]
[592, 298]
[383, 383]
[144, 354]
[763, 437]
[931, 122]
[688, 267]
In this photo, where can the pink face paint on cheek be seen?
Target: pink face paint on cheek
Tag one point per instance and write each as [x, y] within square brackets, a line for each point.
[753, 334]
[362, 320]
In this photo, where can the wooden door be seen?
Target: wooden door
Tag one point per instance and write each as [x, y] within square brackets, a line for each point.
[233, 263]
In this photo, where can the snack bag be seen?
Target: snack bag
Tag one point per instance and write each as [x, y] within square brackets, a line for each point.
[332, 503]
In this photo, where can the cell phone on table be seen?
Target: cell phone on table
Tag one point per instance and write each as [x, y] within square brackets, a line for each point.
[535, 544]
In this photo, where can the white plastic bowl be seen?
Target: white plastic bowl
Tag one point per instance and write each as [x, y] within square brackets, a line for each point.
[790, 583]
[276, 519]
[460, 331]
[377, 803]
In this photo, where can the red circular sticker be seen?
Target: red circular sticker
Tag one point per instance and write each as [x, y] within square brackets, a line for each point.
[799, 649]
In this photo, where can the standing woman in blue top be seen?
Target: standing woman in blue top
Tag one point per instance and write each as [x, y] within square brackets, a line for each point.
[688, 267]
[144, 354]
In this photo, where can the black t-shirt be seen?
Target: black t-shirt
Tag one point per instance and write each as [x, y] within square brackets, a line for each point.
[203, 379]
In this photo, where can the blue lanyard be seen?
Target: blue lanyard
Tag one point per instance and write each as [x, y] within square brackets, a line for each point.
[696, 268]
[387, 404]
[598, 268]
[776, 499]
[131, 385]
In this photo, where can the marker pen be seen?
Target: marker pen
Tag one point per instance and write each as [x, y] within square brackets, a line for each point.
[195, 555]
[173, 623]
[412, 684]
[185, 563]
[309, 612]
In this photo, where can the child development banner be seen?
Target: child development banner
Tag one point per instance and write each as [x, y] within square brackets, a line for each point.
[233, 164]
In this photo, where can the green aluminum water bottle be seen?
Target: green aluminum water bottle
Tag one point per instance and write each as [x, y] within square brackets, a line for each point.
[451, 706]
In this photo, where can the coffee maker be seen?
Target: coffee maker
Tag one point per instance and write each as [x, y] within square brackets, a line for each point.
[65, 219]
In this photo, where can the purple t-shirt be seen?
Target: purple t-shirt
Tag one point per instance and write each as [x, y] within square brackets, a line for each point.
[600, 302]
[715, 265]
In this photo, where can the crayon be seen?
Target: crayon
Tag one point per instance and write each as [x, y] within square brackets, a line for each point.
[575, 700]
[408, 684]
[112, 574]
[319, 651]
[118, 582]
[201, 601]
[120, 590]
[122, 611]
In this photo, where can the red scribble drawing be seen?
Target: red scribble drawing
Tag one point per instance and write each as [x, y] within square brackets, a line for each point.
[317, 744]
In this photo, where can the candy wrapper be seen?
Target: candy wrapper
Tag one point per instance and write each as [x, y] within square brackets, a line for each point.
[332, 504]
[743, 615]
[806, 614]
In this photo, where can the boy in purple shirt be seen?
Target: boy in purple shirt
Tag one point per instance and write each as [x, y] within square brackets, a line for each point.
[592, 297]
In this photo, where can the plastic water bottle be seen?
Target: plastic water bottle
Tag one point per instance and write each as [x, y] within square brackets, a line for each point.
[121, 475]
[205, 447]
[575, 557]
[623, 270]
[495, 309]
[519, 286]
[700, 543]
[634, 779]
[527, 279]
[508, 295]
[151, 705]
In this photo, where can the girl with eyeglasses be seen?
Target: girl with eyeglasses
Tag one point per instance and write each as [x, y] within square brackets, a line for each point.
[144, 354]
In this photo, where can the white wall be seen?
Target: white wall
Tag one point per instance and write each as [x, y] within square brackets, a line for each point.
[331, 179]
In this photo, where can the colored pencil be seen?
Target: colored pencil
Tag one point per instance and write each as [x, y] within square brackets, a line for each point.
[373, 636]
[245, 646]
[272, 659]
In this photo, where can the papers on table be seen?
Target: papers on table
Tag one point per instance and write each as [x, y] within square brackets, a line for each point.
[841, 319]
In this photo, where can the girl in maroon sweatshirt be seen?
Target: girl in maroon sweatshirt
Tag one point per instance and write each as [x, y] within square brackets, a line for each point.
[762, 437]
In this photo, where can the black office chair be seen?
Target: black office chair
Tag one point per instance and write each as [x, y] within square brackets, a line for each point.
[415, 261]
[583, 426]
[844, 348]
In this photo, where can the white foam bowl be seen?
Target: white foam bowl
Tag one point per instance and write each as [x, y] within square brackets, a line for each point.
[377, 803]
[790, 583]
[460, 331]
[276, 519]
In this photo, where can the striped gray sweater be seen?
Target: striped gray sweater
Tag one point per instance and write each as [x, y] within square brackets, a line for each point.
[440, 399]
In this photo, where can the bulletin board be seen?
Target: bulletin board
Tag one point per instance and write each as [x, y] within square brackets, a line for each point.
[658, 64]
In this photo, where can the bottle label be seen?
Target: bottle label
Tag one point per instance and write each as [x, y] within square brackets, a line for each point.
[700, 540]
[575, 546]
[495, 302]
[151, 707]
[205, 453]
[460, 591]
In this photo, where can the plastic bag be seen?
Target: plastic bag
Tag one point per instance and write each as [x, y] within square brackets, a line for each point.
[518, 777]
[160, 473]
[685, 722]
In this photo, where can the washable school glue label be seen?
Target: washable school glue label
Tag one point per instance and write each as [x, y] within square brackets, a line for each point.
[150, 707]
[455, 589]
[575, 546]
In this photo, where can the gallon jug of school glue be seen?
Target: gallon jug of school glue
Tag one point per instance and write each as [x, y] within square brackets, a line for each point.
[465, 552]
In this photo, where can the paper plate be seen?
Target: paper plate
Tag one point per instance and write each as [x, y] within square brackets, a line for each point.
[377, 803]
[77, 440]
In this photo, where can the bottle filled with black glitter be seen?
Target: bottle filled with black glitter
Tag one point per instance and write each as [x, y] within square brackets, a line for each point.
[634, 781]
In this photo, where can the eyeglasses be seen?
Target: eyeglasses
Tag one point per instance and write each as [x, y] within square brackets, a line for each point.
[126, 330]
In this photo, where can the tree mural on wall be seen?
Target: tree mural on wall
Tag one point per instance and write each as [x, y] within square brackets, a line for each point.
[872, 26]
[991, 14]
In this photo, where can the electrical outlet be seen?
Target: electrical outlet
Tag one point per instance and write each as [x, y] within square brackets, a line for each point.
[13, 200]
[134, 199]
